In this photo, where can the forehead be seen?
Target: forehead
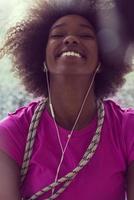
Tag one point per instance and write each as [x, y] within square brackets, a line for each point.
[74, 20]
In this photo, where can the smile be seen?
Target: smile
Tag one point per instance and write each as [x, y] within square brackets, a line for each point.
[71, 53]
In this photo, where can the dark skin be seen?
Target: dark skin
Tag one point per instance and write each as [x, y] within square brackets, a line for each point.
[69, 81]
[70, 76]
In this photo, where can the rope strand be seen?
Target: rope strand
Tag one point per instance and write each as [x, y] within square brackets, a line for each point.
[67, 179]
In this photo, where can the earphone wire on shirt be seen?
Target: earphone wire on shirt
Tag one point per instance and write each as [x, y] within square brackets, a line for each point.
[75, 123]
[84, 161]
[71, 175]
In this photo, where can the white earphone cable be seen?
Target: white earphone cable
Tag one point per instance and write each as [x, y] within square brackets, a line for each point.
[78, 116]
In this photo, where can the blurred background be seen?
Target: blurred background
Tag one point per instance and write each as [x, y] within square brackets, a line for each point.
[12, 94]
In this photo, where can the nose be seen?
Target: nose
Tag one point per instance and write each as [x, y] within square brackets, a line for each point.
[71, 40]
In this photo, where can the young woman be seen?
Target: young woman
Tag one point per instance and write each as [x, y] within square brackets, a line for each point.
[72, 143]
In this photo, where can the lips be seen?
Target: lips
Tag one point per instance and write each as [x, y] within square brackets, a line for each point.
[71, 52]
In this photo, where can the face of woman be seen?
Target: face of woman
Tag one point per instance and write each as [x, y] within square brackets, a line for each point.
[72, 46]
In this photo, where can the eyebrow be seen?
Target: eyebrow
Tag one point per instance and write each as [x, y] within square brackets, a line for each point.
[87, 26]
[63, 24]
[57, 26]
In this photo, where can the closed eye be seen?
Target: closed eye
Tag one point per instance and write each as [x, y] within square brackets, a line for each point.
[56, 35]
[87, 36]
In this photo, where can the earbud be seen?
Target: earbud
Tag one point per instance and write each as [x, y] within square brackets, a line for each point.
[45, 67]
[98, 67]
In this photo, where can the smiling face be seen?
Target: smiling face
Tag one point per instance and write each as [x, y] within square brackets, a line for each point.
[72, 46]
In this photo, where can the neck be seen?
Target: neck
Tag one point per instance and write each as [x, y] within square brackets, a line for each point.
[67, 95]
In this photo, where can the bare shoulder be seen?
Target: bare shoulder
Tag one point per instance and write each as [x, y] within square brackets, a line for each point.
[9, 178]
[130, 181]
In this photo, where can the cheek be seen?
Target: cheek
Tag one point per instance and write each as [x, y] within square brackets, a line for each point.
[51, 47]
[93, 57]
[95, 50]
[48, 53]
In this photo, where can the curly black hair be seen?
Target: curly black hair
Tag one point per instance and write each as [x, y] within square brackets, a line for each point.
[27, 40]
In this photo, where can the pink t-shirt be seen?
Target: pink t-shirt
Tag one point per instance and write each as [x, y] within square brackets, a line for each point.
[104, 176]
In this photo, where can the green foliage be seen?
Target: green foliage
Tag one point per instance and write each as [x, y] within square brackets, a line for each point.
[11, 99]
[12, 94]
[125, 96]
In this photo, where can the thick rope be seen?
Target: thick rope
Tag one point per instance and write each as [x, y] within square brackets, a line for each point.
[87, 156]
[31, 137]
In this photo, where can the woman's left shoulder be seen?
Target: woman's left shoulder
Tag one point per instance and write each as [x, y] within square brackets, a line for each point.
[124, 114]
[121, 121]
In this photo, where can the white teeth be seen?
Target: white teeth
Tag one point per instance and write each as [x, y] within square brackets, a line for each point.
[71, 53]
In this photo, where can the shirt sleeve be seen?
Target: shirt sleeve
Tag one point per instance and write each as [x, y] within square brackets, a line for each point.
[128, 129]
[14, 130]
